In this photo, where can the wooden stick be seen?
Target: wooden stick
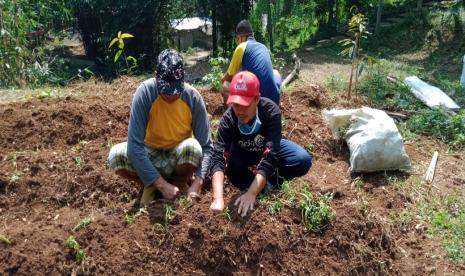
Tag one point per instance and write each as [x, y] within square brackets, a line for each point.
[294, 72]
[397, 115]
[432, 166]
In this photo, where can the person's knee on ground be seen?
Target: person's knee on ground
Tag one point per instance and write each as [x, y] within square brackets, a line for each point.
[183, 176]
[294, 161]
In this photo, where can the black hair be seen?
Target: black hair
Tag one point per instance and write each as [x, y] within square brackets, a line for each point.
[244, 28]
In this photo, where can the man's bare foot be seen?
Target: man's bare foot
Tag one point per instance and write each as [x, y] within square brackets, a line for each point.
[168, 190]
[195, 188]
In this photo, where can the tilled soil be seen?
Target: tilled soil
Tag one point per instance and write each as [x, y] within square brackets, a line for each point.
[53, 173]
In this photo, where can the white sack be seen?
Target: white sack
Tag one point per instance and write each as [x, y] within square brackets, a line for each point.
[430, 95]
[374, 141]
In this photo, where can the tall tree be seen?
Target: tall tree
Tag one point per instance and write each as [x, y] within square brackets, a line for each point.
[270, 25]
[378, 15]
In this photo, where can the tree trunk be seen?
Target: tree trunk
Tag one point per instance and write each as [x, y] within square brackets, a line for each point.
[419, 4]
[287, 7]
[270, 26]
[331, 13]
[214, 29]
[378, 15]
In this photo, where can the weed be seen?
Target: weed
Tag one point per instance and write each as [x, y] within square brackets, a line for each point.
[83, 223]
[4, 239]
[449, 128]
[359, 184]
[289, 195]
[335, 84]
[77, 161]
[79, 254]
[216, 74]
[316, 212]
[309, 147]
[131, 219]
[227, 214]
[274, 207]
[169, 214]
[185, 202]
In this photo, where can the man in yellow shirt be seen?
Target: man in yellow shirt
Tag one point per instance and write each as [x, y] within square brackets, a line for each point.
[168, 134]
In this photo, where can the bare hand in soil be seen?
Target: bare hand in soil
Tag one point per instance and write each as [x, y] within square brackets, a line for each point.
[168, 190]
[194, 190]
[246, 203]
[217, 206]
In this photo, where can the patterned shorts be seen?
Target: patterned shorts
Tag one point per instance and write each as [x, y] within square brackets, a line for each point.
[165, 161]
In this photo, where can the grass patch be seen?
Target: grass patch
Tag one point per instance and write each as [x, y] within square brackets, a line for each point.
[131, 218]
[316, 211]
[449, 128]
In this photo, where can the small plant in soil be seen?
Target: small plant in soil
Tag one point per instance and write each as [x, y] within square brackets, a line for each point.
[290, 198]
[359, 184]
[83, 224]
[309, 147]
[4, 239]
[185, 202]
[274, 207]
[227, 214]
[77, 161]
[79, 254]
[131, 218]
[316, 211]
[78, 147]
[169, 214]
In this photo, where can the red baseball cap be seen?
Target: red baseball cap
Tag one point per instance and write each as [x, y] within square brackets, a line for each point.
[244, 87]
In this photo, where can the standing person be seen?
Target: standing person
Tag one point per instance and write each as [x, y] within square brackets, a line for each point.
[253, 56]
[161, 152]
[249, 148]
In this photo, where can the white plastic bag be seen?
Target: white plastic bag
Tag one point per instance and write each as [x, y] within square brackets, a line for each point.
[430, 95]
[462, 79]
[374, 141]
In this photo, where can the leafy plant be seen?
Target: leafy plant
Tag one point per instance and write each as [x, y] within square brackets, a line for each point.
[309, 147]
[83, 223]
[185, 202]
[169, 214]
[358, 30]
[227, 214]
[274, 207]
[131, 219]
[77, 161]
[213, 79]
[449, 128]
[316, 211]
[79, 254]
[130, 61]
[335, 83]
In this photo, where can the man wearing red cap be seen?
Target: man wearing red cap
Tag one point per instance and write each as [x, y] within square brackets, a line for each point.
[249, 147]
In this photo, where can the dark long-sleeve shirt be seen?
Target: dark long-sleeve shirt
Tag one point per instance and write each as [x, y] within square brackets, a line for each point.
[261, 147]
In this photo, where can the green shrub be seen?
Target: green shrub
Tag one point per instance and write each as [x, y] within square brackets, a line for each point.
[316, 211]
[213, 79]
[449, 128]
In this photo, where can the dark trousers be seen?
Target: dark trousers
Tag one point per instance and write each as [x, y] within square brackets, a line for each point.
[294, 161]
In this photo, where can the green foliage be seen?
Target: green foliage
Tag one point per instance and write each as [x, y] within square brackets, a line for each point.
[274, 207]
[129, 61]
[169, 214]
[185, 202]
[449, 128]
[316, 211]
[79, 254]
[131, 218]
[4, 239]
[77, 161]
[213, 79]
[227, 214]
[335, 84]
[23, 26]
[83, 223]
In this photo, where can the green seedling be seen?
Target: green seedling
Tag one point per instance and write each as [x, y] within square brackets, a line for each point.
[4, 239]
[316, 212]
[131, 219]
[227, 214]
[309, 147]
[274, 207]
[169, 214]
[359, 184]
[78, 148]
[79, 254]
[185, 202]
[77, 161]
[82, 224]
[289, 194]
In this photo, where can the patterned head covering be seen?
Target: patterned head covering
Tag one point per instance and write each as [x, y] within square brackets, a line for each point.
[170, 72]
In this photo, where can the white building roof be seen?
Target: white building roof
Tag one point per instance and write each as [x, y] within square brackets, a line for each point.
[191, 23]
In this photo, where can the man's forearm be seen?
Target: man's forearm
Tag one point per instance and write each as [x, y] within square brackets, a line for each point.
[257, 185]
[217, 184]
